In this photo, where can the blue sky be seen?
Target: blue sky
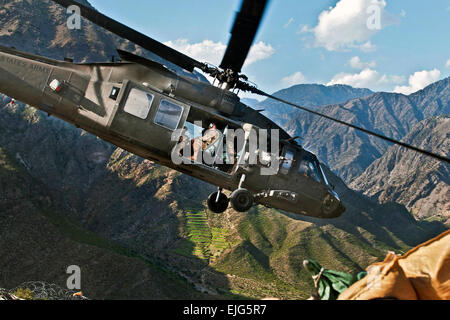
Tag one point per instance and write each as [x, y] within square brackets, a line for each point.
[321, 41]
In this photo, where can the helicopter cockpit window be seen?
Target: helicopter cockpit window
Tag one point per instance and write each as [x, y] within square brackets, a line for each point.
[308, 167]
[169, 114]
[287, 162]
[138, 103]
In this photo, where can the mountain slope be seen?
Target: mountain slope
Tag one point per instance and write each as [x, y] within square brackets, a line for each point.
[419, 183]
[40, 27]
[160, 214]
[39, 242]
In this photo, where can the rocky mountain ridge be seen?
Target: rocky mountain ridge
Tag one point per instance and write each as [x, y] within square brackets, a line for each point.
[401, 176]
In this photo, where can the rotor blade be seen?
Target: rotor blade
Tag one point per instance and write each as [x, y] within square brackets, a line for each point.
[369, 132]
[243, 34]
[131, 57]
[138, 38]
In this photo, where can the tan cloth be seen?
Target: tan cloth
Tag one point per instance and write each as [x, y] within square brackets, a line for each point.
[201, 143]
[422, 274]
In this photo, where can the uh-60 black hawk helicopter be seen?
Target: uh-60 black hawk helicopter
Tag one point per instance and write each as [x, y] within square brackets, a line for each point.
[143, 107]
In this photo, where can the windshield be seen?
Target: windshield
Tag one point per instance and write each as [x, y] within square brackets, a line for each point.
[288, 161]
[309, 168]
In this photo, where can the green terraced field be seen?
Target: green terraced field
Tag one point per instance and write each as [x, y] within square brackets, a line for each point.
[219, 242]
[199, 233]
[206, 243]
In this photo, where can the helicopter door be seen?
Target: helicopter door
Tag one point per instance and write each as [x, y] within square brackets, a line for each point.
[148, 118]
[282, 181]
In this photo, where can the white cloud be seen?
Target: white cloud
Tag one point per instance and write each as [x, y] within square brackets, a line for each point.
[351, 24]
[357, 64]
[403, 13]
[205, 51]
[259, 51]
[212, 52]
[418, 81]
[448, 63]
[292, 80]
[367, 78]
[365, 47]
[288, 23]
[249, 95]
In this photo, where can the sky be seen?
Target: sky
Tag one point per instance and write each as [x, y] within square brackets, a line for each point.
[384, 45]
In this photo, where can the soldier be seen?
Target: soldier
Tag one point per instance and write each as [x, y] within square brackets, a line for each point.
[211, 135]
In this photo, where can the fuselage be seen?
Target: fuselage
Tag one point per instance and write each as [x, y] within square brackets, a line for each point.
[102, 99]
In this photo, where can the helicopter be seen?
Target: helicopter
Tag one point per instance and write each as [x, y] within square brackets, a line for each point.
[174, 120]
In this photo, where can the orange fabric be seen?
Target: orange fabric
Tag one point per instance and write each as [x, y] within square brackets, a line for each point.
[421, 274]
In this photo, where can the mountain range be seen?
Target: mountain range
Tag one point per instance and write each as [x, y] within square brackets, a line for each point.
[141, 231]
[346, 151]
[401, 176]
[129, 206]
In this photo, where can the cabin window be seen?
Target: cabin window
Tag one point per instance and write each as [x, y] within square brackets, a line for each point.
[138, 103]
[309, 168]
[287, 161]
[169, 114]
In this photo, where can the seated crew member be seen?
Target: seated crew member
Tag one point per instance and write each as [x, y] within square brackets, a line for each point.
[305, 169]
[182, 141]
[308, 169]
[201, 143]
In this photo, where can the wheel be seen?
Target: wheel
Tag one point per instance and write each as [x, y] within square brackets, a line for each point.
[218, 206]
[241, 200]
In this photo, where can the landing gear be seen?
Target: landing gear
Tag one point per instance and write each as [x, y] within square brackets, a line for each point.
[218, 202]
[241, 200]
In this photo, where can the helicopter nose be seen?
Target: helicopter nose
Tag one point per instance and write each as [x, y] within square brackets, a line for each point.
[340, 210]
[332, 206]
